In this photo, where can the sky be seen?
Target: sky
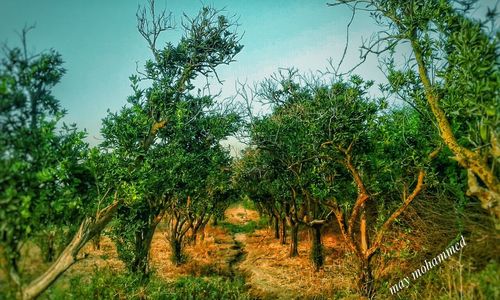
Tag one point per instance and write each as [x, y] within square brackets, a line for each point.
[100, 44]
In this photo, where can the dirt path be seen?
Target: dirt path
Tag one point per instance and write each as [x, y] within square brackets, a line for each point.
[268, 270]
[238, 216]
[237, 257]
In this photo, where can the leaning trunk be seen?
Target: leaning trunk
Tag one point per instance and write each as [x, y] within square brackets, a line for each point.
[294, 232]
[88, 229]
[476, 166]
[317, 247]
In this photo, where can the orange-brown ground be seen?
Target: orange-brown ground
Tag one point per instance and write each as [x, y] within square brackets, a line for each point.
[273, 274]
[269, 272]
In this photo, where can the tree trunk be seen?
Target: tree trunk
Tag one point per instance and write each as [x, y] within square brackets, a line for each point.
[366, 283]
[276, 227]
[294, 243]
[317, 247]
[176, 247]
[96, 242]
[194, 236]
[489, 196]
[143, 239]
[202, 233]
[215, 220]
[88, 229]
[48, 247]
[283, 232]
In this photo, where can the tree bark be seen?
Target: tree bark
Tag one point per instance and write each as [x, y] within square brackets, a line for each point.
[96, 242]
[470, 160]
[283, 231]
[202, 233]
[176, 247]
[88, 229]
[294, 243]
[366, 283]
[143, 239]
[276, 227]
[317, 247]
[194, 236]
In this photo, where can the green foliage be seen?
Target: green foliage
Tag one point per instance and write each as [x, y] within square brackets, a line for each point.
[455, 82]
[166, 139]
[44, 178]
[248, 227]
[207, 288]
[246, 203]
[463, 52]
[110, 285]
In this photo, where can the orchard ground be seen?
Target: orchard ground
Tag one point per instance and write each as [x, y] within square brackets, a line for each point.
[242, 247]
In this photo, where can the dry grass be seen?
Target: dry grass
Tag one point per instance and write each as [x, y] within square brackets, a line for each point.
[207, 257]
[269, 272]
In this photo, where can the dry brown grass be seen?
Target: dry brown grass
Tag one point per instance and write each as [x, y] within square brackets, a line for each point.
[272, 274]
[207, 257]
[268, 270]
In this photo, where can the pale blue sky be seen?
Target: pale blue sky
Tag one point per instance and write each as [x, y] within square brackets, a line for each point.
[100, 44]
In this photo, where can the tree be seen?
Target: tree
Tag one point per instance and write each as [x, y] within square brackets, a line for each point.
[373, 166]
[45, 180]
[159, 116]
[453, 73]
[197, 183]
[342, 155]
[41, 173]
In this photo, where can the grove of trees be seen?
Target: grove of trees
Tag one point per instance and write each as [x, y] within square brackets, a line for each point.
[326, 155]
